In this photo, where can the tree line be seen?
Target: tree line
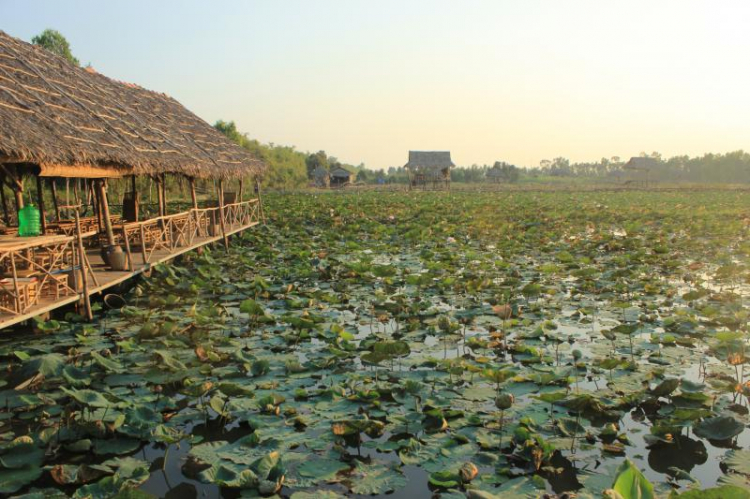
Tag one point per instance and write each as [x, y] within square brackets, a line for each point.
[732, 168]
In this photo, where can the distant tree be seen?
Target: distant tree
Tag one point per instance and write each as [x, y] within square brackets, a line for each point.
[286, 167]
[315, 160]
[560, 167]
[229, 128]
[362, 175]
[56, 43]
[507, 172]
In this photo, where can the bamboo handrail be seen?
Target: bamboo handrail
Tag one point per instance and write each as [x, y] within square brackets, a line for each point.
[169, 233]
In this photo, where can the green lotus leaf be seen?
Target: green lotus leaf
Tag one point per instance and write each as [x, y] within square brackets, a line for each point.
[318, 494]
[88, 397]
[76, 377]
[12, 480]
[718, 428]
[23, 455]
[687, 386]
[321, 469]
[48, 365]
[108, 364]
[665, 387]
[372, 479]
[631, 484]
[168, 359]
[118, 446]
[444, 479]
[721, 492]
[225, 476]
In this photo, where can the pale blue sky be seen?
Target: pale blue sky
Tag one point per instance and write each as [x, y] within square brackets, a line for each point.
[489, 80]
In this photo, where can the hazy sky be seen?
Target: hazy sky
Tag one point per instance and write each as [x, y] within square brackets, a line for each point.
[518, 81]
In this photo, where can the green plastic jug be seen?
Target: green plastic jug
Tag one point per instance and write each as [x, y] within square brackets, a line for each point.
[29, 221]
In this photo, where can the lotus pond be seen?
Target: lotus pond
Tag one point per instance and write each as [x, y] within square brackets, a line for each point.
[412, 345]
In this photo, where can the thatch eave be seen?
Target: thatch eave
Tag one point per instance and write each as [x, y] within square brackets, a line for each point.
[54, 113]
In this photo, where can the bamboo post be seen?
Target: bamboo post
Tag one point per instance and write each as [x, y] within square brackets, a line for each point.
[53, 186]
[143, 245]
[40, 200]
[134, 190]
[193, 196]
[104, 209]
[18, 192]
[194, 230]
[160, 196]
[260, 202]
[239, 194]
[5, 203]
[15, 281]
[221, 215]
[164, 192]
[95, 203]
[83, 261]
[131, 265]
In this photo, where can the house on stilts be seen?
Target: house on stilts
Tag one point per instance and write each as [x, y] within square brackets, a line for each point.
[637, 171]
[72, 142]
[429, 169]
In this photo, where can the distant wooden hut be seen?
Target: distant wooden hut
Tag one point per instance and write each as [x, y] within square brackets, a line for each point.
[637, 171]
[64, 125]
[341, 176]
[429, 169]
[320, 177]
[502, 173]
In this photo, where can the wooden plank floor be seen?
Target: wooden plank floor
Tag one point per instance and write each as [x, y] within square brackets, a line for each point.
[109, 278]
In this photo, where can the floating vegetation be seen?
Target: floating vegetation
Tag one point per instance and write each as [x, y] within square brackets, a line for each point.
[452, 344]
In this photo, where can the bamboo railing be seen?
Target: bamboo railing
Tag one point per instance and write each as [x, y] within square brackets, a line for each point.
[39, 268]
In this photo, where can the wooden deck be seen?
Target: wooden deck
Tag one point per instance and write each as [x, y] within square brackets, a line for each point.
[149, 243]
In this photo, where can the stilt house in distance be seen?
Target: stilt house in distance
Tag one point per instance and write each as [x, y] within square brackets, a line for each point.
[429, 169]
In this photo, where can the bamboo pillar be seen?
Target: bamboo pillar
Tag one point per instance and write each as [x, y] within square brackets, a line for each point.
[221, 215]
[164, 192]
[160, 195]
[82, 260]
[18, 192]
[40, 200]
[95, 203]
[101, 189]
[53, 186]
[193, 196]
[134, 198]
[76, 197]
[131, 265]
[4, 201]
[239, 194]
[260, 201]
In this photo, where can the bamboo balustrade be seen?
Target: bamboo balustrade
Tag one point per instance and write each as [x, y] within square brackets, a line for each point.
[36, 270]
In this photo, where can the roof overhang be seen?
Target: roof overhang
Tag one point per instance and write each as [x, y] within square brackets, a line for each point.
[84, 171]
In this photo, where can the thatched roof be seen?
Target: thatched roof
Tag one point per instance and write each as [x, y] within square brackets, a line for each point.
[641, 163]
[341, 172]
[320, 172]
[68, 119]
[433, 160]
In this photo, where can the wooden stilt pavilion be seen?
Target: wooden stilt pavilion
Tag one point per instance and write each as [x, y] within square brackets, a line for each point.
[429, 169]
[63, 124]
